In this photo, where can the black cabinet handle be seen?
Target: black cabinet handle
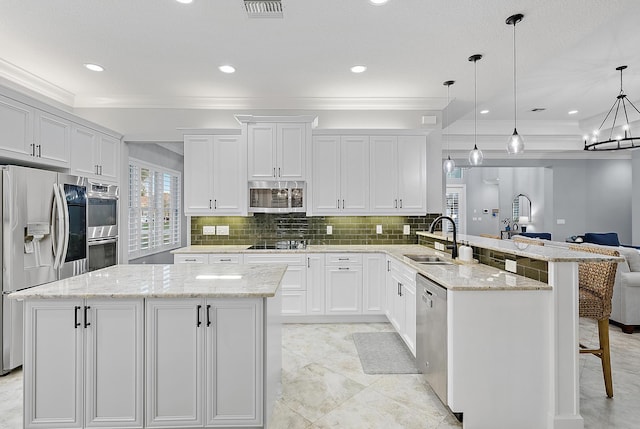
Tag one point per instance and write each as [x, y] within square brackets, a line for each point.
[400, 288]
[388, 265]
[210, 205]
[75, 317]
[198, 313]
[208, 315]
[86, 309]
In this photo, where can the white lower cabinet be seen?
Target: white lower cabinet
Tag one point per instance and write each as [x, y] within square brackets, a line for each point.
[373, 283]
[294, 282]
[204, 362]
[203, 258]
[401, 301]
[343, 283]
[315, 284]
[85, 367]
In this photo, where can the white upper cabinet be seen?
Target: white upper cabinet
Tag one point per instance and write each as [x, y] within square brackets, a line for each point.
[340, 169]
[277, 151]
[398, 175]
[93, 154]
[214, 175]
[52, 139]
[16, 128]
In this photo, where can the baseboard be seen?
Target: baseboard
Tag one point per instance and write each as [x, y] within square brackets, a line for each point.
[341, 318]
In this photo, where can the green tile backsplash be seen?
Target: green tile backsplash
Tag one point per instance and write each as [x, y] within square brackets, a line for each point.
[346, 229]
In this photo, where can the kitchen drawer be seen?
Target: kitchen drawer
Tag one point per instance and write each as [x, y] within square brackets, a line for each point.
[225, 258]
[284, 258]
[294, 302]
[407, 273]
[183, 258]
[343, 259]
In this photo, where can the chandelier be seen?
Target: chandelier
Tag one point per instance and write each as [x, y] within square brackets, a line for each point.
[620, 135]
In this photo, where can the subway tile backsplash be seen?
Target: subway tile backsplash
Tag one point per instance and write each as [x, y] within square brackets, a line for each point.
[296, 226]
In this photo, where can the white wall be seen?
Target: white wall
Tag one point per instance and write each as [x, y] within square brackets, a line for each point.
[635, 209]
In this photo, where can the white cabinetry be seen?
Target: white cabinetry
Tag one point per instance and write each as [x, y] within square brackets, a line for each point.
[294, 282]
[204, 258]
[373, 283]
[86, 363]
[204, 362]
[398, 174]
[343, 283]
[94, 154]
[277, 151]
[213, 175]
[340, 168]
[401, 301]
[315, 284]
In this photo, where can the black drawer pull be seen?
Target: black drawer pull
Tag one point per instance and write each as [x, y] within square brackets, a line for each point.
[86, 323]
[75, 317]
[208, 315]
[199, 322]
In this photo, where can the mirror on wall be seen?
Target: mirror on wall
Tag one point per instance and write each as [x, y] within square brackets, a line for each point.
[521, 209]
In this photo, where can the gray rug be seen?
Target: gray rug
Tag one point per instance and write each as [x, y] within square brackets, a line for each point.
[384, 353]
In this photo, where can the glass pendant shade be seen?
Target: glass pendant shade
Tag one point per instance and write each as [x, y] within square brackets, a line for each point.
[475, 156]
[448, 165]
[515, 144]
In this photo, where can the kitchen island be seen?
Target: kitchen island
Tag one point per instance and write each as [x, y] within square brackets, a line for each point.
[154, 346]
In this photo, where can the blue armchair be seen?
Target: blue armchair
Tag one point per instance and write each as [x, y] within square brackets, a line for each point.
[605, 239]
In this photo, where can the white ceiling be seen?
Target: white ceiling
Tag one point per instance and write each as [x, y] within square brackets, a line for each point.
[160, 53]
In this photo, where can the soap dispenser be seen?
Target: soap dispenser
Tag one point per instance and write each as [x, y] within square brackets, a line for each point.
[466, 253]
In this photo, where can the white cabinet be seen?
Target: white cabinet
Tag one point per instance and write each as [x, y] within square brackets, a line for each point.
[340, 169]
[52, 137]
[343, 283]
[94, 154]
[16, 128]
[214, 175]
[277, 151]
[373, 283]
[204, 362]
[294, 282]
[401, 301]
[86, 363]
[315, 284]
[398, 174]
[203, 258]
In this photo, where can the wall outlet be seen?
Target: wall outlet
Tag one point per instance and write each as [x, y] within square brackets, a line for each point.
[406, 230]
[223, 229]
[209, 230]
[510, 265]
[378, 229]
[329, 229]
[560, 221]
[438, 245]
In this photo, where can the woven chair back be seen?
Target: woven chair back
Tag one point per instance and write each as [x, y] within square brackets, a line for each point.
[520, 239]
[598, 277]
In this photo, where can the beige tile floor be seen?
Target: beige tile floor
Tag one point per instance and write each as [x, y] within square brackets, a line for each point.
[324, 386]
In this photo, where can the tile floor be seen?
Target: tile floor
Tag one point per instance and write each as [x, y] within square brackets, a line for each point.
[324, 386]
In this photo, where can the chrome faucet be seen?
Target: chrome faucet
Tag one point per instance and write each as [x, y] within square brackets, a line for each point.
[454, 247]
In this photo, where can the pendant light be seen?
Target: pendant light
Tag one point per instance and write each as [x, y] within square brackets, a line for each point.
[475, 155]
[448, 165]
[516, 143]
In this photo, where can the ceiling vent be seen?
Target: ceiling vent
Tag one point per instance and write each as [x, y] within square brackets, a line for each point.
[263, 9]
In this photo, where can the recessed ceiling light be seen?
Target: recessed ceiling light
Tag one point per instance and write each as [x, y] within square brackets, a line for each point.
[227, 69]
[185, 1]
[358, 69]
[378, 2]
[572, 112]
[94, 67]
[484, 112]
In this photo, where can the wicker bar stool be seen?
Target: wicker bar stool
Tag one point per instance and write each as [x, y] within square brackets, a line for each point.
[596, 280]
[534, 241]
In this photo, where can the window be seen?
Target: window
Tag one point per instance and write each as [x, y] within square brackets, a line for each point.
[455, 208]
[154, 209]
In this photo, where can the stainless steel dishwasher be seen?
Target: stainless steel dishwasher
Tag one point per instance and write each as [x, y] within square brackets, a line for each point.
[431, 334]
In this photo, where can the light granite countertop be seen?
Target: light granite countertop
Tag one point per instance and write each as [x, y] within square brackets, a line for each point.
[548, 252]
[165, 281]
[454, 276]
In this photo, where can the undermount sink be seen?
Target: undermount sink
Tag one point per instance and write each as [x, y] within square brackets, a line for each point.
[428, 259]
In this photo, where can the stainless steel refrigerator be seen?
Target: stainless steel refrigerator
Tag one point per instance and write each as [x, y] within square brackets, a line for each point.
[44, 238]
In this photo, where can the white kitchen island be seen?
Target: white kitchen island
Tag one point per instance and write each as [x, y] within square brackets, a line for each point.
[172, 346]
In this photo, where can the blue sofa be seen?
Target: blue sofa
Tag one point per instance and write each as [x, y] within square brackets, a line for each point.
[540, 235]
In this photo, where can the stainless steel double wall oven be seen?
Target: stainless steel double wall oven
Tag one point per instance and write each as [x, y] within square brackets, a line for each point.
[102, 229]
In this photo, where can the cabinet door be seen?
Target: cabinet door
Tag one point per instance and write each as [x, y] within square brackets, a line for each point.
[315, 283]
[291, 151]
[326, 174]
[412, 174]
[53, 373]
[373, 284]
[384, 174]
[294, 302]
[233, 394]
[190, 259]
[84, 151]
[174, 353]
[409, 335]
[109, 148]
[198, 175]
[113, 369]
[354, 174]
[395, 302]
[262, 151]
[343, 290]
[53, 137]
[228, 185]
[16, 128]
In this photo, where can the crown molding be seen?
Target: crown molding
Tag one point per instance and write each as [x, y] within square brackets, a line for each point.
[34, 86]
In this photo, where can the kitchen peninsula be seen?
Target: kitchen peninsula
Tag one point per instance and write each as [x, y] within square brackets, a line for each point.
[154, 345]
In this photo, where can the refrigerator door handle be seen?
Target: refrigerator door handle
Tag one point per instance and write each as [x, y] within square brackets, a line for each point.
[65, 235]
[57, 231]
